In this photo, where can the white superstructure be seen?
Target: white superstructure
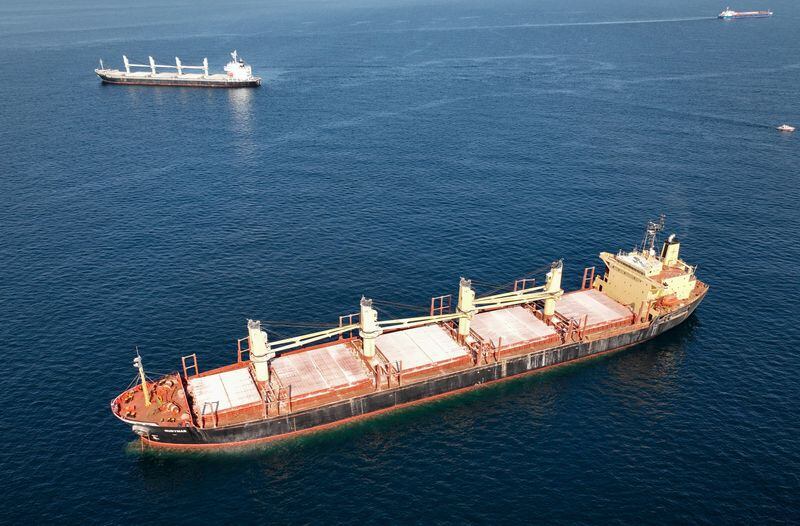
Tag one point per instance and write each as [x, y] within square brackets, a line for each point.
[237, 69]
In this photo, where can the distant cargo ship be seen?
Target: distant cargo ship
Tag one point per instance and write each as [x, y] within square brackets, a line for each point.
[237, 74]
[366, 366]
[730, 14]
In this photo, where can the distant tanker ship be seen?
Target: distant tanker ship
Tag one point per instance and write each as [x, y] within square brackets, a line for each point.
[237, 74]
[730, 14]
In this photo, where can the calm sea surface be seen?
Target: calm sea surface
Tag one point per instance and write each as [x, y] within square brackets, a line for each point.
[394, 147]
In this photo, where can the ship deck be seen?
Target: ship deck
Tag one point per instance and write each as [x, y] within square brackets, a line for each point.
[322, 374]
[167, 75]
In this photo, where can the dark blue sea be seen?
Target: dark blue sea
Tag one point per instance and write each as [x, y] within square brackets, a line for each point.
[395, 146]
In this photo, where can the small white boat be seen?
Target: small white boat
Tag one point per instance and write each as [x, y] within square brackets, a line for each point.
[785, 128]
[730, 14]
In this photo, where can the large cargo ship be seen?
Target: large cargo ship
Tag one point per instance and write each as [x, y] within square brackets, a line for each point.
[237, 74]
[363, 365]
[730, 14]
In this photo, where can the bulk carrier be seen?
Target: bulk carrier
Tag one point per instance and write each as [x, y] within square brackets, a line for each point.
[365, 365]
[237, 74]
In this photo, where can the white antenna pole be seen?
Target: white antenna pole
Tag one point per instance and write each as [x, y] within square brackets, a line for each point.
[127, 64]
[205, 67]
[152, 65]
[178, 65]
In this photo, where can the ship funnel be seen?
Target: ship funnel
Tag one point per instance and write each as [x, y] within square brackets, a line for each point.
[670, 251]
[260, 351]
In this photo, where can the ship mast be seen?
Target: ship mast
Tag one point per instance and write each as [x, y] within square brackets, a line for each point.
[650, 233]
[137, 362]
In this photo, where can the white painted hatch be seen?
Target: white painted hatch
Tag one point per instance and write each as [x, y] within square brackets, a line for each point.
[514, 325]
[419, 347]
[320, 369]
[229, 389]
[600, 308]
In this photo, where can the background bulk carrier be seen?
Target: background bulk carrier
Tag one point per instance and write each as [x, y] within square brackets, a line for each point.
[237, 74]
[367, 365]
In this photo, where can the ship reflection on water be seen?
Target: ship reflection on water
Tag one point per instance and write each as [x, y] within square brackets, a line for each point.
[237, 103]
[241, 104]
[648, 376]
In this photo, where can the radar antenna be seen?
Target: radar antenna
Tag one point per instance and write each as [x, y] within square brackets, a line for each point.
[650, 233]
